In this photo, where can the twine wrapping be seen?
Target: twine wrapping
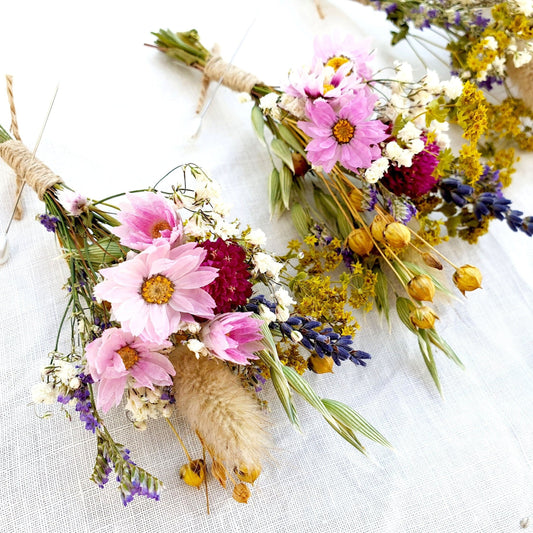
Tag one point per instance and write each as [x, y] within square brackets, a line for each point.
[17, 214]
[29, 169]
[233, 77]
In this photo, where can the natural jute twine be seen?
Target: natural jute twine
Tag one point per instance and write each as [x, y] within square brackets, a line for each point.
[27, 167]
[233, 77]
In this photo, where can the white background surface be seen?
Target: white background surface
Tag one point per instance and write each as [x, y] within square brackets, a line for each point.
[121, 119]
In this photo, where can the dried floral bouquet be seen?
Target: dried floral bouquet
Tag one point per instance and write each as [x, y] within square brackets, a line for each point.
[489, 43]
[173, 307]
[365, 166]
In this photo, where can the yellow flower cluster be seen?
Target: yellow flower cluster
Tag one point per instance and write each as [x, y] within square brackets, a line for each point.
[361, 283]
[469, 163]
[318, 259]
[430, 230]
[479, 58]
[504, 160]
[507, 120]
[289, 355]
[472, 112]
[325, 300]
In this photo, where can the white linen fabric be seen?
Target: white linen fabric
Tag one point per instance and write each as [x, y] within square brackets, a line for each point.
[121, 121]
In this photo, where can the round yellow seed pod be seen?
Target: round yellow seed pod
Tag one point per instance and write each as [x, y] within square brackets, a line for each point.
[320, 365]
[356, 199]
[423, 317]
[397, 235]
[467, 278]
[421, 288]
[193, 473]
[360, 242]
[378, 227]
[246, 474]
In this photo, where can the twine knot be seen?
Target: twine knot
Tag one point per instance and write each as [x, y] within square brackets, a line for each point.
[28, 168]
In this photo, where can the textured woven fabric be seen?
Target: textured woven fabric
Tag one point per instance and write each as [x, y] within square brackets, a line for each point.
[121, 118]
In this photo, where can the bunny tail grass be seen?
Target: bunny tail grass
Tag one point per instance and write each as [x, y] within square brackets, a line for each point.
[217, 406]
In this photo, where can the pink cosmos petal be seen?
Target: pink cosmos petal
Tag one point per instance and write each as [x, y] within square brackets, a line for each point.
[140, 213]
[105, 365]
[110, 393]
[232, 336]
[182, 266]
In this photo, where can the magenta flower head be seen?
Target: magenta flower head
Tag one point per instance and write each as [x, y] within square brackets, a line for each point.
[156, 290]
[147, 217]
[233, 337]
[335, 51]
[347, 136]
[418, 179]
[116, 356]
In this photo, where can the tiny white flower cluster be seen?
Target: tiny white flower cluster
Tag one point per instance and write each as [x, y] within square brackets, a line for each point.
[266, 264]
[284, 300]
[57, 379]
[524, 6]
[144, 404]
[377, 170]
[269, 104]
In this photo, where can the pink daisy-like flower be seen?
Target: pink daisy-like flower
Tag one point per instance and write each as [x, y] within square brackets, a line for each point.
[325, 82]
[335, 51]
[147, 217]
[233, 337]
[158, 288]
[117, 355]
[347, 136]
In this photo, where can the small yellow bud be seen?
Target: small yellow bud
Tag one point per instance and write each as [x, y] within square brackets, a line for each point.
[360, 242]
[421, 288]
[423, 317]
[431, 261]
[356, 199]
[378, 227]
[320, 365]
[467, 278]
[193, 473]
[241, 493]
[247, 475]
[397, 235]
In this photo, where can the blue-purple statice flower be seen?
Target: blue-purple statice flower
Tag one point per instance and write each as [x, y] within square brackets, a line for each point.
[49, 222]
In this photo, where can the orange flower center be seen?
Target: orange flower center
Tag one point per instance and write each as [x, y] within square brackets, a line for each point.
[343, 131]
[129, 356]
[336, 62]
[157, 290]
[328, 87]
[158, 227]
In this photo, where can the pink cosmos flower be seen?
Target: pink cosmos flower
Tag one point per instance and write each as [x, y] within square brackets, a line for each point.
[347, 136]
[147, 217]
[324, 82]
[335, 51]
[158, 288]
[233, 337]
[117, 355]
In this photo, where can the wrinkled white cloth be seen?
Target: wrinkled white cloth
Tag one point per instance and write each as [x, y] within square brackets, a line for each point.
[121, 121]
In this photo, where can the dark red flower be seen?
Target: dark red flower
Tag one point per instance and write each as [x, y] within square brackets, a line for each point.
[231, 287]
[416, 180]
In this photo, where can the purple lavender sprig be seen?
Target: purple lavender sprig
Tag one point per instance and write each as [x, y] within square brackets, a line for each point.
[485, 204]
[313, 335]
